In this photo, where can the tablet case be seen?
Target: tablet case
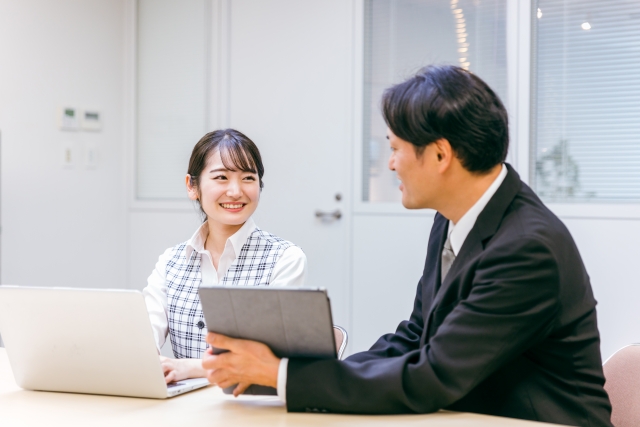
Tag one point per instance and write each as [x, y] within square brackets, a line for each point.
[293, 322]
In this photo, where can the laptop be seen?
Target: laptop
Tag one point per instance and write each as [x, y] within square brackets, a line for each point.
[84, 341]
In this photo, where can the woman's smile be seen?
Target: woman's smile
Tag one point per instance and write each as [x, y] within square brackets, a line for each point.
[233, 207]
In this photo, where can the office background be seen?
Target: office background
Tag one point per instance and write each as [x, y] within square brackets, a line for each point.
[95, 208]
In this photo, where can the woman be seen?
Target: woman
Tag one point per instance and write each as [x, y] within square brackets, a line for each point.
[225, 178]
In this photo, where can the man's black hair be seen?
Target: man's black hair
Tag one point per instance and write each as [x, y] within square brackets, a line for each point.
[451, 103]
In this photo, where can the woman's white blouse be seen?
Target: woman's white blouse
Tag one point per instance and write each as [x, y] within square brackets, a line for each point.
[290, 270]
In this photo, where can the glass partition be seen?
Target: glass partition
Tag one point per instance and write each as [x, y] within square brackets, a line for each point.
[585, 140]
[402, 36]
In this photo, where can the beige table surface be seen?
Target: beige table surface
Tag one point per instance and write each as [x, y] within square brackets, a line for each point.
[204, 407]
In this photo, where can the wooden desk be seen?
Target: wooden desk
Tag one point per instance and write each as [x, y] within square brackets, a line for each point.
[201, 408]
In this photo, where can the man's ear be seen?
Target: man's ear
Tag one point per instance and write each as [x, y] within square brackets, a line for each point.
[192, 190]
[444, 153]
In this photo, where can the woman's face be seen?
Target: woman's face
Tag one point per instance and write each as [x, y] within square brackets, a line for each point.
[227, 197]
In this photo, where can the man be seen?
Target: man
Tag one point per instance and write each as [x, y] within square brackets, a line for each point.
[504, 319]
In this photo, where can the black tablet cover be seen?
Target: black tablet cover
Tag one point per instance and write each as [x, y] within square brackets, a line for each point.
[293, 322]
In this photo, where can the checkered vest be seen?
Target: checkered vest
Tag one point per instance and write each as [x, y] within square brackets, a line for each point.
[253, 267]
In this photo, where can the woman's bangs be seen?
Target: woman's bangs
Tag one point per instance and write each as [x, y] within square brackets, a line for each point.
[234, 157]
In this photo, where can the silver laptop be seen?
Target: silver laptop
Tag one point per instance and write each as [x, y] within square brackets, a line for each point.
[84, 341]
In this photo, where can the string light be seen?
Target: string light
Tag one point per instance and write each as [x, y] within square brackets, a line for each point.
[461, 34]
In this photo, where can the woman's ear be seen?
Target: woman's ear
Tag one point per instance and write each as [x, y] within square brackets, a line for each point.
[192, 190]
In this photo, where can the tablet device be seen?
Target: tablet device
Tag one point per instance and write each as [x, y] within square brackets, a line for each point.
[293, 322]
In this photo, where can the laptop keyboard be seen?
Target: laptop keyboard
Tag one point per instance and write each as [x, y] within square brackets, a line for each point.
[171, 385]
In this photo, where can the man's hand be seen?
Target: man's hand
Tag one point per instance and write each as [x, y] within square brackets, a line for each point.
[180, 369]
[246, 363]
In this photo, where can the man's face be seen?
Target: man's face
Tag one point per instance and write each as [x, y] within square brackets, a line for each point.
[417, 173]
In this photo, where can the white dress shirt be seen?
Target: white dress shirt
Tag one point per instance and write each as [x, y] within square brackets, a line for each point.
[290, 270]
[456, 232]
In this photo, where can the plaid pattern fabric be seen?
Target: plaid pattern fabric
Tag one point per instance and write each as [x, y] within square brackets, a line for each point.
[253, 267]
[258, 256]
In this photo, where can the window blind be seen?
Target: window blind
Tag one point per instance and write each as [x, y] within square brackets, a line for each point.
[171, 93]
[586, 100]
[402, 36]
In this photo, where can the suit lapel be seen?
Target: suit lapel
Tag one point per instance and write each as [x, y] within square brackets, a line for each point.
[484, 228]
[471, 248]
[433, 265]
[432, 269]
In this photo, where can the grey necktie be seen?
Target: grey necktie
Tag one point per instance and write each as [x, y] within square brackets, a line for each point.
[447, 259]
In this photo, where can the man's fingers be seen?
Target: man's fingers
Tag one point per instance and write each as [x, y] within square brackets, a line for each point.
[246, 362]
[170, 377]
[227, 360]
[220, 378]
[224, 342]
[217, 361]
[211, 377]
[209, 338]
[237, 346]
[227, 383]
[241, 388]
[208, 361]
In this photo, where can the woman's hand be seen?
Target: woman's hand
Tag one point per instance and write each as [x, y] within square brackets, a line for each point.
[246, 363]
[181, 369]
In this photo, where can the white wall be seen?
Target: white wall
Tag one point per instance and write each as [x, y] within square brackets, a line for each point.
[609, 251]
[74, 227]
[388, 259]
[150, 234]
[61, 227]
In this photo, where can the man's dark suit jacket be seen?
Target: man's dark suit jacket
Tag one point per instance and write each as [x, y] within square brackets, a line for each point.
[511, 332]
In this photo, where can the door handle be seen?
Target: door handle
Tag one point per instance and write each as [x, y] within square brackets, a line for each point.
[329, 215]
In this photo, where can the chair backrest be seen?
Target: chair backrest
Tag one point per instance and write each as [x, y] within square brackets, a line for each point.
[341, 339]
[622, 375]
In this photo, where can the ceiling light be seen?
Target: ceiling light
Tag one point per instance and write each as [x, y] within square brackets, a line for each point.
[539, 13]
[586, 26]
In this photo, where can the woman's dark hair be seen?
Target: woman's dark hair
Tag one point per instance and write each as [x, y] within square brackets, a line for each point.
[237, 152]
[451, 103]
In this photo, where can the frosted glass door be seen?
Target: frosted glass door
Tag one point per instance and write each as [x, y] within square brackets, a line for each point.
[171, 93]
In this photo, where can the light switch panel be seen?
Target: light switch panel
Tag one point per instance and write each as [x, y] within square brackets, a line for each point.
[91, 155]
[67, 155]
[91, 120]
[68, 118]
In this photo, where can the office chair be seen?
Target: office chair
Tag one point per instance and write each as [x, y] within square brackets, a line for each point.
[622, 375]
[341, 337]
